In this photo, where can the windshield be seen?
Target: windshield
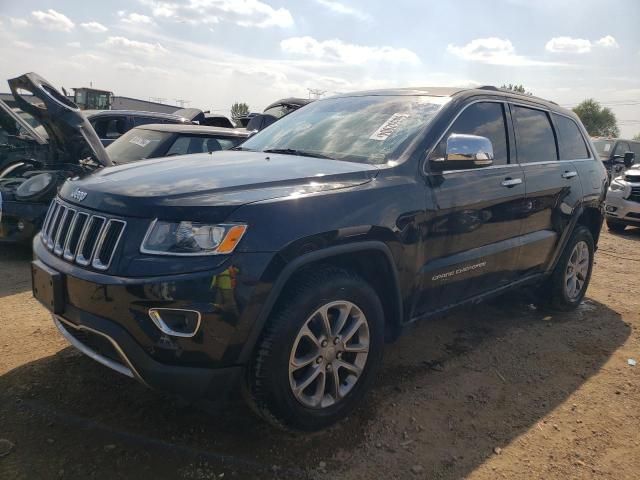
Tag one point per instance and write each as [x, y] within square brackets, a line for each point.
[603, 147]
[136, 144]
[370, 129]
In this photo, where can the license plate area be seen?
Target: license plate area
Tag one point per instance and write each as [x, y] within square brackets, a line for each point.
[48, 287]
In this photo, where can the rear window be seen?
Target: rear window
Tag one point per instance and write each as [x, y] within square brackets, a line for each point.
[136, 144]
[186, 144]
[110, 127]
[535, 140]
[570, 141]
[603, 147]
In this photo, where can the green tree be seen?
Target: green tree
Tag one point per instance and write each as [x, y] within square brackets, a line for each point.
[598, 120]
[516, 88]
[637, 137]
[239, 110]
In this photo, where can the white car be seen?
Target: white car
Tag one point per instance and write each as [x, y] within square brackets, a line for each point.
[623, 201]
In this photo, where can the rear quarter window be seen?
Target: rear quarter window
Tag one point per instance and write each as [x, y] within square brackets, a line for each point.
[571, 143]
[535, 140]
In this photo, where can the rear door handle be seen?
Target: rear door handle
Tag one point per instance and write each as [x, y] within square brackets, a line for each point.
[511, 182]
[569, 174]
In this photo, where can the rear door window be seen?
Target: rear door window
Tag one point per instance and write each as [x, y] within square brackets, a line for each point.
[570, 141]
[535, 140]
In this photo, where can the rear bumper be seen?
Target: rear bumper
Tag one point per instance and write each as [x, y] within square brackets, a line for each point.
[118, 351]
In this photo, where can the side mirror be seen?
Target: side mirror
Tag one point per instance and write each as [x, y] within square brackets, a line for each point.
[465, 151]
[629, 159]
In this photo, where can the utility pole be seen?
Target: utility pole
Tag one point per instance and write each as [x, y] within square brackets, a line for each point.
[316, 92]
[182, 102]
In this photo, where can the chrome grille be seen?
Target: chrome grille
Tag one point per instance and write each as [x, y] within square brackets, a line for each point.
[80, 237]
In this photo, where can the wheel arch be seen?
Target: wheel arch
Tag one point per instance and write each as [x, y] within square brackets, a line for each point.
[370, 259]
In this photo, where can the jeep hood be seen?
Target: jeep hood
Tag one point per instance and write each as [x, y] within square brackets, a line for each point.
[71, 136]
[197, 186]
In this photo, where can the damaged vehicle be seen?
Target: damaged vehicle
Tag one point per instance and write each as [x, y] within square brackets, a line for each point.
[274, 112]
[37, 161]
[158, 140]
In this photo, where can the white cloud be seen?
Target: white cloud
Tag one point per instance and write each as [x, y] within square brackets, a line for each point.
[337, 50]
[94, 27]
[135, 46]
[74, 44]
[568, 45]
[18, 22]
[579, 45]
[246, 13]
[21, 44]
[341, 8]
[493, 51]
[136, 18]
[52, 20]
[608, 42]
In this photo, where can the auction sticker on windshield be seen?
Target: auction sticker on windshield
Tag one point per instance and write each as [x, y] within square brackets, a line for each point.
[141, 142]
[389, 127]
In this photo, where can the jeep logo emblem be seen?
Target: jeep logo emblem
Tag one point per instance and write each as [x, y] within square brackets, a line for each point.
[78, 194]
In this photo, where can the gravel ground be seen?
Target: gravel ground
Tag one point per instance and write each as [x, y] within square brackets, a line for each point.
[503, 390]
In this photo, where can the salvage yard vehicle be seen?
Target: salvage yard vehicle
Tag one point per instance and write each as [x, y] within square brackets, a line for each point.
[275, 112]
[617, 154]
[40, 159]
[160, 140]
[111, 124]
[284, 265]
[623, 201]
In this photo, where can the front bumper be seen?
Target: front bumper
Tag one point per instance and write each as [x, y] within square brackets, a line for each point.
[107, 317]
[111, 346]
[622, 210]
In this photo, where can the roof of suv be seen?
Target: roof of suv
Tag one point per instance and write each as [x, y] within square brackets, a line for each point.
[192, 129]
[453, 91]
[136, 113]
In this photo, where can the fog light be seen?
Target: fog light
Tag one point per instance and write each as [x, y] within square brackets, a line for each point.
[20, 225]
[611, 208]
[176, 322]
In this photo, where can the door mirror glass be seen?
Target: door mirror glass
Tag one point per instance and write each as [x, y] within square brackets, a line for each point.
[465, 151]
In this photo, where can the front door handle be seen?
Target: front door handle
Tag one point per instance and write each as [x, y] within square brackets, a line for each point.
[569, 174]
[511, 182]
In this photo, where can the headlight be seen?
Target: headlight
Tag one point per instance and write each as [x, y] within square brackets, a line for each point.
[616, 186]
[191, 238]
[35, 186]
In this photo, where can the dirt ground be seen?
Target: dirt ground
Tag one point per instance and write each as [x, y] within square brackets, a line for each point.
[502, 390]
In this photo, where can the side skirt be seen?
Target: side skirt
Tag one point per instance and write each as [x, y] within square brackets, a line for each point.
[528, 280]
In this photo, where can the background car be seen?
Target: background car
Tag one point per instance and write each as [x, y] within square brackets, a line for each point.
[111, 124]
[275, 112]
[158, 140]
[616, 154]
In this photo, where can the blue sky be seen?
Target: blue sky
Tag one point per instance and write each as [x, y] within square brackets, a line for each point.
[215, 52]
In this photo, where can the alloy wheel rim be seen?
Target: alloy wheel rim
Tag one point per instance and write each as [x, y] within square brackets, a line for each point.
[575, 275]
[329, 354]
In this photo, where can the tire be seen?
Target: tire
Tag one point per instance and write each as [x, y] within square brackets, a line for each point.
[272, 376]
[557, 291]
[617, 227]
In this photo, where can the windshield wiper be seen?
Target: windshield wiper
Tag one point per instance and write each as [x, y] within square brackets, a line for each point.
[293, 151]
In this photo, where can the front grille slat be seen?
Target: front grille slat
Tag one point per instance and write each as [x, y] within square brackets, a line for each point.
[80, 237]
[635, 194]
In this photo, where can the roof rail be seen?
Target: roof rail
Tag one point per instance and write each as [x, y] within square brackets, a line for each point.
[513, 92]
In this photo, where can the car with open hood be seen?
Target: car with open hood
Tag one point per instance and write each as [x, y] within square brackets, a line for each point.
[64, 146]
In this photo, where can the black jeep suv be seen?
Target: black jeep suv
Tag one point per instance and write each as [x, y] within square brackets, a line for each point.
[283, 266]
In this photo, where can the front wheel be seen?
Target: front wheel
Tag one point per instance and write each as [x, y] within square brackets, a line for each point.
[320, 351]
[566, 287]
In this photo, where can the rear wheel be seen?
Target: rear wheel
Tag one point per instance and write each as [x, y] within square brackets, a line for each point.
[320, 351]
[617, 227]
[566, 287]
